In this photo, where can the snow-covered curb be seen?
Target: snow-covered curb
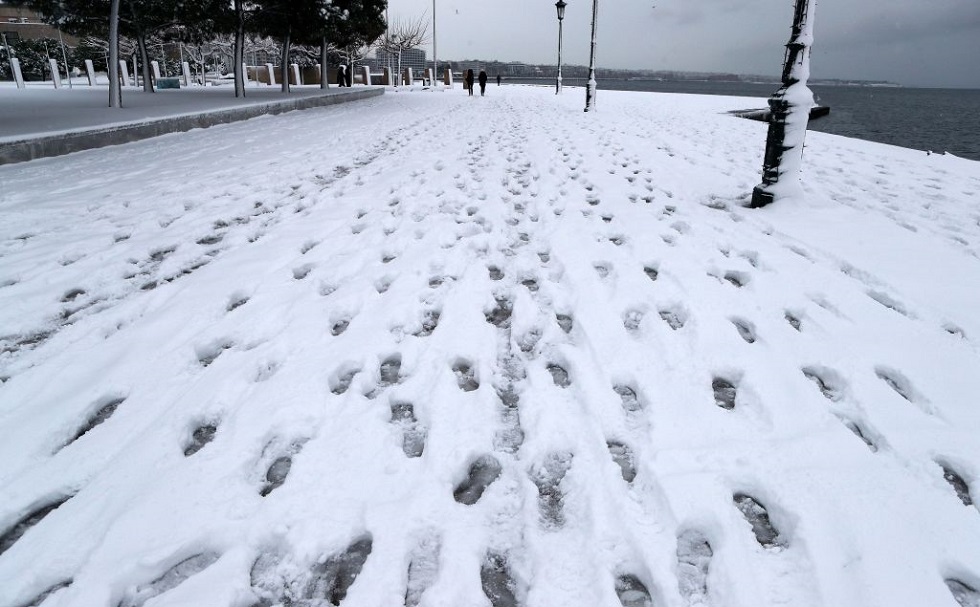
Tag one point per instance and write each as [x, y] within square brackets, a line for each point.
[66, 142]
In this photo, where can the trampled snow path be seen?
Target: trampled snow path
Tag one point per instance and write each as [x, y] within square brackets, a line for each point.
[428, 350]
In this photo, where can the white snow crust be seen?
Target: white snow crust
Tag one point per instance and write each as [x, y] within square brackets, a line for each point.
[359, 305]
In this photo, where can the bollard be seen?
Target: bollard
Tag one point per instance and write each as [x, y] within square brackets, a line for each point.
[448, 77]
[155, 67]
[272, 74]
[90, 72]
[55, 73]
[18, 75]
[124, 72]
[366, 75]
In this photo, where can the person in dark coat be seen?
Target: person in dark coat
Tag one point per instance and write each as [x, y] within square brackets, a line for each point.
[483, 82]
[342, 75]
[348, 77]
[498, 79]
[468, 81]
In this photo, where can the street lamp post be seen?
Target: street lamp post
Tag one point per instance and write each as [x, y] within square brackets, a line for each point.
[590, 86]
[560, 6]
[435, 50]
[790, 112]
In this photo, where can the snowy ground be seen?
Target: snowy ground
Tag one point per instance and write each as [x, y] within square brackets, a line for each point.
[39, 110]
[429, 350]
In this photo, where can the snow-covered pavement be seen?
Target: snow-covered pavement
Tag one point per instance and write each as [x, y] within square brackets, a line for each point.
[428, 350]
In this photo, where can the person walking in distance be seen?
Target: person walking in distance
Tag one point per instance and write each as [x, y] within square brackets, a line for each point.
[468, 81]
[498, 79]
[483, 82]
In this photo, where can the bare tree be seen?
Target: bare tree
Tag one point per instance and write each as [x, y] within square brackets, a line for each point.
[115, 88]
[403, 35]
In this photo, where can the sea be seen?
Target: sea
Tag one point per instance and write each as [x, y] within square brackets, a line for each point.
[936, 120]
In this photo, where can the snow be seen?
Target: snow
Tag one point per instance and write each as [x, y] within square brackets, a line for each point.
[39, 110]
[273, 362]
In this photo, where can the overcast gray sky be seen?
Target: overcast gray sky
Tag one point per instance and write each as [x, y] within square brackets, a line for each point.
[912, 42]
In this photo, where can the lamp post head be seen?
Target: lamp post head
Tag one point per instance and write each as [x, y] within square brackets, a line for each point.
[560, 5]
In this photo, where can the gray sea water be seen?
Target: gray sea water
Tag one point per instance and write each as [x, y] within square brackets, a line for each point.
[939, 120]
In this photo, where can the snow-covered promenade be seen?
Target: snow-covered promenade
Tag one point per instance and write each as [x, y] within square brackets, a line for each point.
[439, 351]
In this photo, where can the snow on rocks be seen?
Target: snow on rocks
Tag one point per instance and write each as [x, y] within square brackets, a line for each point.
[529, 358]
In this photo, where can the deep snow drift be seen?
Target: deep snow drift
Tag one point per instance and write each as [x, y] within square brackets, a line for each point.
[431, 350]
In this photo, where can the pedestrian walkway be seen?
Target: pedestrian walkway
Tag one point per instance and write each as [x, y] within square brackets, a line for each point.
[38, 123]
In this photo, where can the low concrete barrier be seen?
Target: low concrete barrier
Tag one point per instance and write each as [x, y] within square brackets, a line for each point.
[58, 145]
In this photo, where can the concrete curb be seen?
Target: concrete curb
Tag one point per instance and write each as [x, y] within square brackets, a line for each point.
[57, 145]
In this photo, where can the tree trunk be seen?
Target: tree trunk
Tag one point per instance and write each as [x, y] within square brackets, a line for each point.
[324, 70]
[284, 63]
[141, 46]
[145, 60]
[239, 48]
[115, 88]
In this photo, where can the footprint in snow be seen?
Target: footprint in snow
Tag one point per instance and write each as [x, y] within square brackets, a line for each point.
[235, 301]
[31, 519]
[482, 473]
[890, 302]
[102, 410]
[632, 592]
[331, 578]
[897, 382]
[423, 569]
[500, 315]
[530, 284]
[632, 319]
[339, 326]
[652, 272]
[675, 317]
[209, 353]
[746, 330]
[430, 320]
[465, 376]
[738, 279]
[170, 579]
[388, 374]
[957, 482]
[276, 474]
[413, 435]
[565, 321]
[725, 393]
[71, 294]
[965, 594]
[758, 517]
[630, 401]
[41, 598]
[793, 320]
[201, 436]
[623, 456]
[529, 341]
[830, 383]
[548, 477]
[860, 432]
[498, 582]
[559, 375]
[693, 563]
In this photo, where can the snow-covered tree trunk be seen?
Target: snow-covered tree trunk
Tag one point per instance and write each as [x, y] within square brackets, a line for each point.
[145, 63]
[239, 48]
[284, 63]
[790, 107]
[324, 70]
[115, 88]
